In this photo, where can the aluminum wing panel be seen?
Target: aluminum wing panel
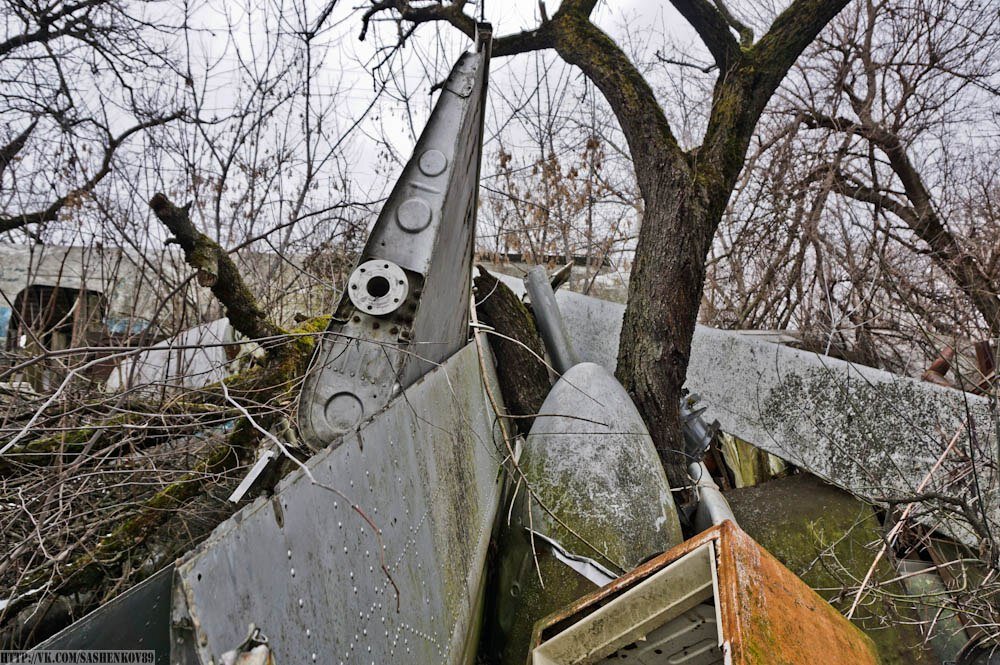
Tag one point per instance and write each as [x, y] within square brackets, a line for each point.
[862, 429]
[305, 568]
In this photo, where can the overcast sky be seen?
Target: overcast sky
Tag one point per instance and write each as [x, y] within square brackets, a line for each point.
[348, 68]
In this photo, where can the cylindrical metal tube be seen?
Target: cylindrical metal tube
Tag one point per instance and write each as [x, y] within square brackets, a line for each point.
[712, 506]
[550, 321]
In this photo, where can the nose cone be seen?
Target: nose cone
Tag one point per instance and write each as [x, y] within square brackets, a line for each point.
[595, 486]
[593, 468]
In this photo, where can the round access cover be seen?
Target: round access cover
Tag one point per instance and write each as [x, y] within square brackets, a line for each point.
[378, 287]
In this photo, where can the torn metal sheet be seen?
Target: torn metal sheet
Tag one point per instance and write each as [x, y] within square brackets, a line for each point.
[406, 307]
[263, 461]
[587, 567]
[664, 612]
[865, 430]
[137, 620]
[306, 568]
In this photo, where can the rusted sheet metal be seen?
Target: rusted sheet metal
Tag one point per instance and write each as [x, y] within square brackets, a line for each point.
[768, 615]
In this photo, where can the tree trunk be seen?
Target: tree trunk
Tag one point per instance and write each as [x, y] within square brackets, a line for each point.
[517, 349]
[665, 291]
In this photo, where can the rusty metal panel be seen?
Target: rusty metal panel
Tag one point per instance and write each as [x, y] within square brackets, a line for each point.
[306, 569]
[767, 615]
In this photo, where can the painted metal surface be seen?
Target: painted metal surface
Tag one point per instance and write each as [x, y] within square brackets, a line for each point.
[551, 326]
[596, 487]
[867, 431]
[712, 506]
[137, 620]
[690, 639]
[407, 303]
[195, 358]
[767, 615]
[306, 569]
[647, 612]
[595, 495]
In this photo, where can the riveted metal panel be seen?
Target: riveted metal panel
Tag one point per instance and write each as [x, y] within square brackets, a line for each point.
[425, 231]
[305, 568]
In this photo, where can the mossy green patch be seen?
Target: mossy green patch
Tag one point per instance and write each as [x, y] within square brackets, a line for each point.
[826, 537]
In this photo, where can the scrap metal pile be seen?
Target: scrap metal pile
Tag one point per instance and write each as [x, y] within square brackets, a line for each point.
[378, 549]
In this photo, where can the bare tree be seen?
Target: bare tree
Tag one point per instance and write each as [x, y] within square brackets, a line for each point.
[897, 96]
[873, 180]
[74, 93]
[684, 192]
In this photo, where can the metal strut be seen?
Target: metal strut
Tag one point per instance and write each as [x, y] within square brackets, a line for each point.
[406, 305]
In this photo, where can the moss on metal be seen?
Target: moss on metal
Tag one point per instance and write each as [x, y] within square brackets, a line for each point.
[823, 535]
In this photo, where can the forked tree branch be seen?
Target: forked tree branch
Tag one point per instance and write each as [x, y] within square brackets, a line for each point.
[712, 29]
[920, 214]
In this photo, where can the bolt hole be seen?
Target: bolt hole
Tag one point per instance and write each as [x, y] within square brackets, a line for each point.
[378, 286]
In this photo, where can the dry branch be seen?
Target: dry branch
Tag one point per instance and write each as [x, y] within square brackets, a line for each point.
[215, 270]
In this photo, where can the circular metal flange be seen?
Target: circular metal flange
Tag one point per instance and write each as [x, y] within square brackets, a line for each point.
[378, 287]
[343, 411]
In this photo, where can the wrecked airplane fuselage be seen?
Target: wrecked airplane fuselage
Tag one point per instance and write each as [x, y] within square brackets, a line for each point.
[591, 493]
[374, 551]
